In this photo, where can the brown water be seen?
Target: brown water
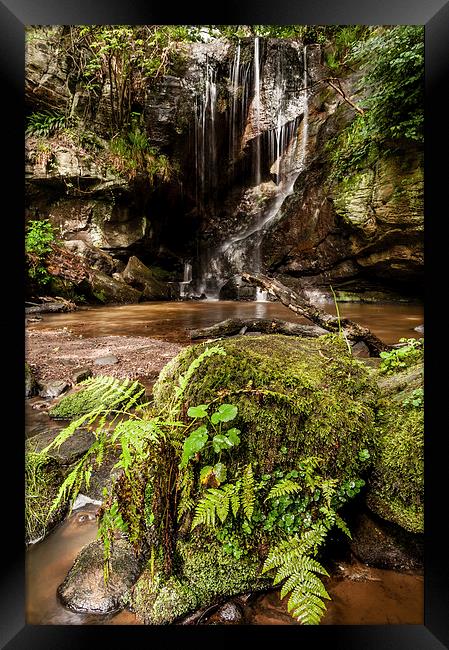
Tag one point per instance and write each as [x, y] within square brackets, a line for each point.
[373, 597]
[171, 321]
[360, 595]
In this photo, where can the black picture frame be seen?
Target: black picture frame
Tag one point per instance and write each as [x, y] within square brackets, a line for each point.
[14, 16]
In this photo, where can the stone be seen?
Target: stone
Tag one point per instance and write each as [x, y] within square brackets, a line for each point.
[360, 349]
[69, 451]
[228, 614]
[384, 545]
[31, 385]
[108, 360]
[53, 388]
[142, 278]
[108, 290]
[84, 588]
[81, 374]
[419, 329]
[95, 257]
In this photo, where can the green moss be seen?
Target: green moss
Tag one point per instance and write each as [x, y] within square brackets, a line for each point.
[396, 487]
[204, 576]
[43, 477]
[309, 396]
[94, 393]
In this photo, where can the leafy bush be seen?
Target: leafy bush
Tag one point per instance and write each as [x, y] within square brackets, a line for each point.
[38, 240]
[400, 358]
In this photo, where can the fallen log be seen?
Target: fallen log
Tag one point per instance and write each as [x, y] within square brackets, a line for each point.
[300, 304]
[232, 326]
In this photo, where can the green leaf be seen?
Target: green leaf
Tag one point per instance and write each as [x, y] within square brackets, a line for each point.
[220, 472]
[199, 411]
[220, 442]
[193, 444]
[233, 435]
[225, 413]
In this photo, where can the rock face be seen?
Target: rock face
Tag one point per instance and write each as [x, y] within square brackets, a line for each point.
[84, 589]
[253, 149]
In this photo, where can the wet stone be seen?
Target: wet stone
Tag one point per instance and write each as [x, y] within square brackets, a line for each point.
[228, 614]
[53, 388]
[84, 588]
[81, 374]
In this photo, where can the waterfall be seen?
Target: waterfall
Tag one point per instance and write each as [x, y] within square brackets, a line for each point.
[206, 137]
[187, 279]
[284, 145]
[256, 104]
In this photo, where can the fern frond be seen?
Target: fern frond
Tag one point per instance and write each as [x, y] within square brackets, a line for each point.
[342, 526]
[234, 494]
[282, 488]
[247, 495]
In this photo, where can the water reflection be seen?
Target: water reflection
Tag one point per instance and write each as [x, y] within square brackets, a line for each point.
[171, 321]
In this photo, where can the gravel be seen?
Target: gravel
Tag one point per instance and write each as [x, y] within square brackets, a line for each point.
[55, 354]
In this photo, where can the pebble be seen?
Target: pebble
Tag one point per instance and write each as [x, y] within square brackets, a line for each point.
[106, 361]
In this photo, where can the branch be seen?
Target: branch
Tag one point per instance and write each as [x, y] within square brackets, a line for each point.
[300, 304]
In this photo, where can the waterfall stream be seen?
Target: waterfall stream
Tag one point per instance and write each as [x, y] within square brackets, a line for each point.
[284, 145]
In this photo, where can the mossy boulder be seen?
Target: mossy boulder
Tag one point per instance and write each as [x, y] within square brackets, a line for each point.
[43, 477]
[95, 393]
[296, 400]
[396, 487]
[295, 397]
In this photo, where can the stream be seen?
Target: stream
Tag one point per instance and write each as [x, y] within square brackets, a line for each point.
[360, 595]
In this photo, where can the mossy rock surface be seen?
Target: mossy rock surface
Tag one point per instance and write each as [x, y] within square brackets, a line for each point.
[295, 398]
[396, 487]
[204, 577]
[43, 478]
[95, 393]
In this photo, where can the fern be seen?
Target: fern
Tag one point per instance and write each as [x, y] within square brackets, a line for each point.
[293, 564]
[282, 488]
[218, 502]
[184, 379]
[99, 394]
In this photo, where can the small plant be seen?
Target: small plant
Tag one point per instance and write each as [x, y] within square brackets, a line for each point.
[46, 123]
[38, 240]
[400, 358]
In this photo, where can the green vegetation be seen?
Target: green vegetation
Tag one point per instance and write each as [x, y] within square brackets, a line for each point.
[408, 354]
[94, 393]
[38, 244]
[392, 98]
[46, 123]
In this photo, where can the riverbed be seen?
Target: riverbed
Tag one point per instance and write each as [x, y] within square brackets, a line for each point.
[359, 595]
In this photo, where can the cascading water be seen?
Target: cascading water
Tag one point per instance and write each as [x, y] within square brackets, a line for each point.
[284, 145]
[205, 137]
[187, 279]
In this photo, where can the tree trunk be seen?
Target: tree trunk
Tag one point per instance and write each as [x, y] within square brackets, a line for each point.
[300, 304]
[232, 326]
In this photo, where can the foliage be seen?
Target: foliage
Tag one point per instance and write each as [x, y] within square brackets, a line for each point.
[46, 123]
[400, 358]
[110, 523]
[395, 81]
[126, 57]
[132, 154]
[199, 439]
[38, 240]
[42, 477]
[393, 97]
[98, 393]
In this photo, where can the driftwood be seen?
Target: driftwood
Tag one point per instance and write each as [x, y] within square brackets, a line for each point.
[232, 326]
[301, 305]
